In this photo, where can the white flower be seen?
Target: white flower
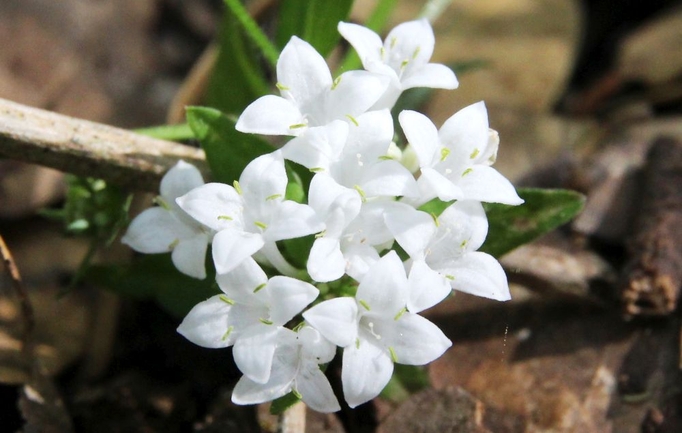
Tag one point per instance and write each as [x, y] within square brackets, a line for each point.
[444, 255]
[251, 216]
[403, 57]
[309, 95]
[294, 368]
[376, 330]
[249, 315]
[455, 160]
[168, 228]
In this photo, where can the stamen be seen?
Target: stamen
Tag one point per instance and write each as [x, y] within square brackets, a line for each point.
[435, 219]
[297, 126]
[352, 119]
[358, 156]
[394, 357]
[297, 394]
[236, 186]
[259, 288]
[282, 87]
[227, 333]
[273, 197]
[450, 277]
[400, 313]
[260, 225]
[317, 169]
[394, 41]
[336, 82]
[161, 202]
[225, 217]
[174, 244]
[467, 171]
[266, 321]
[444, 152]
[404, 63]
[364, 304]
[371, 331]
[226, 300]
[474, 154]
[416, 52]
[361, 192]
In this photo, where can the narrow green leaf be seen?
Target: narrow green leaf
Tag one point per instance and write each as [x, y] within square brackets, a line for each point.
[314, 21]
[180, 132]
[238, 76]
[253, 31]
[543, 211]
[283, 403]
[228, 151]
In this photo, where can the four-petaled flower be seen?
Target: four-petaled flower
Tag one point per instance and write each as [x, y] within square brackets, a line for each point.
[376, 330]
[168, 228]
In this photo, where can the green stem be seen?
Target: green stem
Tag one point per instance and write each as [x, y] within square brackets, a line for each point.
[83, 267]
[433, 9]
[252, 29]
[180, 132]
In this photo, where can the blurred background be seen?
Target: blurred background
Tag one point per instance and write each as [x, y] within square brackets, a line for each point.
[578, 90]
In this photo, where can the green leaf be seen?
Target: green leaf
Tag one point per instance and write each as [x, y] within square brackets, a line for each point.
[283, 403]
[238, 76]
[314, 21]
[543, 211]
[154, 276]
[180, 132]
[228, 151]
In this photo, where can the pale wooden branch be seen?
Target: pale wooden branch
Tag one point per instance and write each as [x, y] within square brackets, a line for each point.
[87, 148]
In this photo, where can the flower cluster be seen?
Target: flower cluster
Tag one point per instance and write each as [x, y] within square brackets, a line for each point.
[362, 201]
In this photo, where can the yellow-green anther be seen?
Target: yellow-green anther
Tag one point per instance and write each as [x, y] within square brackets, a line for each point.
[416, 52]
[394, 357]
[321, 234]
[394, 41]
[364, 304]
[361, 192]
[404, 63]
[237, 187]
[259, 288]
[467, 171]
[174, 244]
[316, 169]
[266, 321]
[297, 394]
[227, 333]
[352, 119]
[297, 126]
[336, 82]
[400, 313]
[450, 277]
[260, 225]
[463, 244]
[435, 219]
[273, 197]
[282, 87]
[161, 202]
[386, 158]
[226, 300]
[225, 217]
[357, 343]
[474, 154]
[298, 327]
[382, 52]
[444, 152]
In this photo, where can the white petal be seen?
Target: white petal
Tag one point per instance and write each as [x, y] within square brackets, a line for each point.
[284, 369]
[389, 178]
[262, 179]
[240, 283]
[483, 183]
[384, 288]
[315, 389]
[189, 256]
[410, 38]
[412, 229]
[427, 287]
[433, 184]
[371, 137]
[302, 71]
[326, 262]
[215, 205]
[464, 221]
[253, 354]
[366, 371]
[479, 274]
[231, 247]
[206, 325]
[292, 220]
[180, 180]
[319, 146]
[416, 341]
[335, 319]
[315, 346]
[155, 230]
[270, 115]
[360, 258]
[367, 43]
[354, 94]
[336, 205]
[465, 133]
[288, 297]
[422, 135]
[431, 75]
